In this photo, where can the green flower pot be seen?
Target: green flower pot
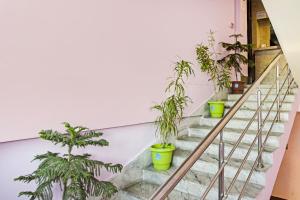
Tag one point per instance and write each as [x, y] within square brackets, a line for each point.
[216, 109]
[162, 156]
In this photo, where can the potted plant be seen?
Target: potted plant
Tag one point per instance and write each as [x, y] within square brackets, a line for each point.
[207, 58]
[75, 174]
[171, 113]
[235, 59]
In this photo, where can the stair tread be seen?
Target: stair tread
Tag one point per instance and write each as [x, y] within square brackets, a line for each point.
[239, 119]
[251, 101]
[204, 179]
[269, 85]
[241, 123]
[235, 130]
[209, 158]
[229, 144]
[253, 110]
[254, 94]
[144, 190]
[247, 113]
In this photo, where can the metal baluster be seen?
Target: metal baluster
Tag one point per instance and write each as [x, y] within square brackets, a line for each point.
[259, 126]
[221, 161]
[277, 92]
[289, 80]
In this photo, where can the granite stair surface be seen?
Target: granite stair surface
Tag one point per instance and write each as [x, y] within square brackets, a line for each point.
[199, 176]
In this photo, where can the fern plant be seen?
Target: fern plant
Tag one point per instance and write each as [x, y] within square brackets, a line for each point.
[235, 57]
[207, 58]
[171, 110]
[76, 174]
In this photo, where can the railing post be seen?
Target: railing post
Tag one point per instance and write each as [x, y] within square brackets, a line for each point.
[277, 92]
[289, 80]
[221, 161]
[259, 126]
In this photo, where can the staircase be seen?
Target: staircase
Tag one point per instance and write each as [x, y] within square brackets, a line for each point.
[194, 183]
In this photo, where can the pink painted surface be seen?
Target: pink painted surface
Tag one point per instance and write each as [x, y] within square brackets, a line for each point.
[279, 153]
[241, 26]
[98, 63]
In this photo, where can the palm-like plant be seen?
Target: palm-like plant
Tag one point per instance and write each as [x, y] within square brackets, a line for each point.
[171, 110]
[235, 57]
[76, 174]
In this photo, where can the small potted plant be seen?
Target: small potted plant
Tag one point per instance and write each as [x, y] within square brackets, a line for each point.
[234, 59]
[207, 58]
[171, 113]
[75, 174]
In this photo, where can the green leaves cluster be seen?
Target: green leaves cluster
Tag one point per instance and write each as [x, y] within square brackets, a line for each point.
[235, 57]
[76, 174]
[219, 70]
[209, 63]
[171, 110]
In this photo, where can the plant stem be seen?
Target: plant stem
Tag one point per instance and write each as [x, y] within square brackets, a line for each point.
[64, 197]
[69, 152]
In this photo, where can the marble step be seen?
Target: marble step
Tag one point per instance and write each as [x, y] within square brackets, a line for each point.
[273, 90]
[190, 143]
[144, 190]
[270, 85]
[237, 123]
[248, 114]
[273, 84]
[265, 106]
[231, 136]
[253, 97]
[196, 182]
[208, 163]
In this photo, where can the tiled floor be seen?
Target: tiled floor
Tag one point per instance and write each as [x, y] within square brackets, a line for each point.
[287, 185]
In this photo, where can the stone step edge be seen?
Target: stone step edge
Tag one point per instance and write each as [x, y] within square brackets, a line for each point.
[268, 149]
[235, 130]
[198, 183]
[229, 164]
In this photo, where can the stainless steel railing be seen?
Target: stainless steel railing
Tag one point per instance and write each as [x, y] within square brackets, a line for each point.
[164, 190]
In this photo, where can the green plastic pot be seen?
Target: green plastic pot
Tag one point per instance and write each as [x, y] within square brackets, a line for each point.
[162, 156]
[216, 109]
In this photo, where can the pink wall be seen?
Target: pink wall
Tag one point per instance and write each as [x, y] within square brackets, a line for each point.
[117, 54]
[241, 25]
[98, 63]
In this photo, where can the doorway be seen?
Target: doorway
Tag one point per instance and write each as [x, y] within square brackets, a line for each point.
[260, 34]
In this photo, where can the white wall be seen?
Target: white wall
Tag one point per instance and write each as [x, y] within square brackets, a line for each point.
[284, 16]
[97, 63]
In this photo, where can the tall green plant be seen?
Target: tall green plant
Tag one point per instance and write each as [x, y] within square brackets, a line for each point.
[171, 110]
[76, 174]
[235, 56]
[207, 58]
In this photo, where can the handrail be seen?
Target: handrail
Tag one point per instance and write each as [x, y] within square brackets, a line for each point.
[164, 190]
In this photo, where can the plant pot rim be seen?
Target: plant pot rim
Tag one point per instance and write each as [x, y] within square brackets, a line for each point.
[219, 102]
[238, 81]
[159, 148]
